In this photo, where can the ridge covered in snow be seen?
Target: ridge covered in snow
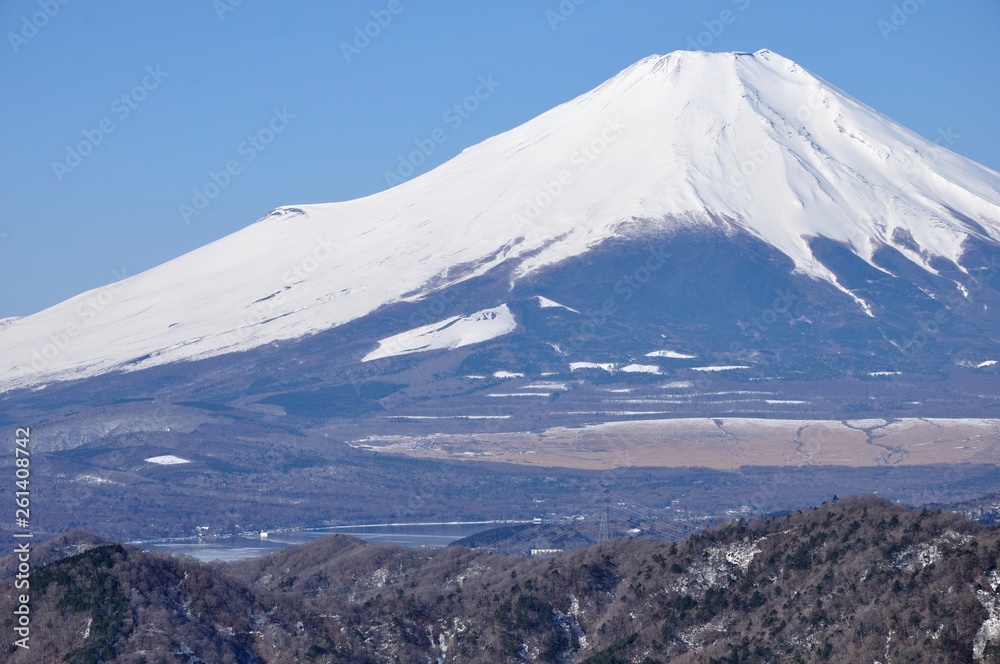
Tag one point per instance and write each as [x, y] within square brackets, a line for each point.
[546, 303]
[453, 332]
[687, 139]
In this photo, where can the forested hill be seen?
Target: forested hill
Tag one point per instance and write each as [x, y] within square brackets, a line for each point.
[854, 580]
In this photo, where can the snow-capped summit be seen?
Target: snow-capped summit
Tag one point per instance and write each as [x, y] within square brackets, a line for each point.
[752, 143]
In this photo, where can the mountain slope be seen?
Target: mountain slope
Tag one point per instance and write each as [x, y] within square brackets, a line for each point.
[743, 144]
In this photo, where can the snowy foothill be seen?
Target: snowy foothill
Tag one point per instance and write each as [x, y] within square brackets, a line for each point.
[453, 332]
[640, 368]
[546, 303]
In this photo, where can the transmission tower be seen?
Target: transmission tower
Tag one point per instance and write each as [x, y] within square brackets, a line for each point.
[604, 528]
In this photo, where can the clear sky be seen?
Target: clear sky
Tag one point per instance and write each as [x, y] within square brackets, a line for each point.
[115, 112]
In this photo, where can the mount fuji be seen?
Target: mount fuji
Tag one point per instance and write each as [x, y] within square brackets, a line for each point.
[699, 214]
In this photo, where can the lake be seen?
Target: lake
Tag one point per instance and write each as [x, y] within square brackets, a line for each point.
[413, 535]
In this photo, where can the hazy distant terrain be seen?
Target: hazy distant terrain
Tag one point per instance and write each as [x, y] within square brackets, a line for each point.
[721, 443]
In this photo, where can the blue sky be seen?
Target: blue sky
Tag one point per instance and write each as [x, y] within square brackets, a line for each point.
[164, 95]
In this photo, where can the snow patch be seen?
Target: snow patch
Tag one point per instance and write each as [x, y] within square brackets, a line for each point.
[606, 366]
[989, 632]
[671, 354]
[641, 368]
[719, 565]
[450, 333]
[741, 554]
[167, 460]
[923, 554]
[546, 303]
[94, 479]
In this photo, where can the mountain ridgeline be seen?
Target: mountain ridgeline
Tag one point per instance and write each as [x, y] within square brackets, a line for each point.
[854, 580]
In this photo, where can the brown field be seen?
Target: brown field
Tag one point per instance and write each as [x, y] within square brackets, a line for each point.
[724, 443]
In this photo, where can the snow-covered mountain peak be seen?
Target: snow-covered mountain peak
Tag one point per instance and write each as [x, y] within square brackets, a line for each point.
[683, 140]
[721, 69]
[748, 137]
